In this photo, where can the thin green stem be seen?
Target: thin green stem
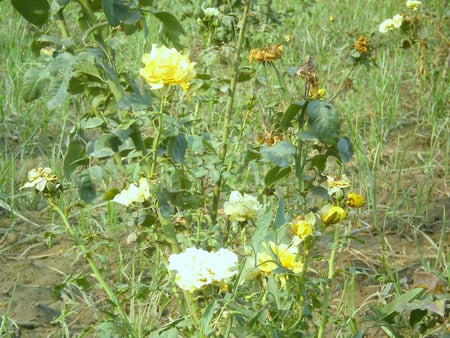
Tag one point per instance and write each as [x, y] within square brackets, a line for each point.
[61, 22]
[159, 129]
[98, 276]
[229, 108]
[326, 294]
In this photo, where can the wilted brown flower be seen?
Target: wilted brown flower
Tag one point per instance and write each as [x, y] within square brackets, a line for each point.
[361, 45]
[268, 54]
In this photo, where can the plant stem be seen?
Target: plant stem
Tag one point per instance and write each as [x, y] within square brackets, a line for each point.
[159, 129]
[326, 294]
[229, 108]
[98, 276]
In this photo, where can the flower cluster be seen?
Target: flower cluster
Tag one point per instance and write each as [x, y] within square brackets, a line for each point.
[44, 181]
[134, 193]
[399, 19]
[336, 211]
[195, 268]
[241, 207]
[164, 66]
[390, 24]
[268, 54]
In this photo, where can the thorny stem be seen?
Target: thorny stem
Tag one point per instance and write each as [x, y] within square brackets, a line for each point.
[98, 276]
[326, 295]
[229, 108]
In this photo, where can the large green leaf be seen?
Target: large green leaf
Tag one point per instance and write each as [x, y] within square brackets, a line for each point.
[290, 113]
[60, 73]
[345, 149]
[177, 148]
[275, 174]
[75, 156]
[104, 146]
[115, 11]
[281, 154]
[323, 121]
[35, 83]
[171, 26]
[34, 11]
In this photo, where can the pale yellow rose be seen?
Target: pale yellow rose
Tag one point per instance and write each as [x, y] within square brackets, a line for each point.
[164, 66]
[304, 226]
[413, 4]
[276, 255]
[332, 214]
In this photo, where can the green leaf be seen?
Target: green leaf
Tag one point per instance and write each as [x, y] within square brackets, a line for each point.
[35, 83]
[345, 149]
[105, 145]
[280, 220]
[177, 148]
[115, 11]
[135, 101]
[323, 121]
[75, 156]
[245, 76]
[171, 26]
[86, 187]
[275, 174]
[281, 154]
[207, 316]
[60, 73]
[290, 113]
[34, 11]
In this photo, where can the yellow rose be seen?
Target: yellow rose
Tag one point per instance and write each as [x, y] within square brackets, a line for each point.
[354, 200]
[332, 214]
[164, 66]
[284, 256]
[304, 227]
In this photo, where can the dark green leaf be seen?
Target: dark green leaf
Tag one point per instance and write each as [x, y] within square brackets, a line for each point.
[290, 113]
[281, 154]
[104, 146]
[323, 121]
[275, 174]
[115, 11]
[171, 27]
[245, 76]
[177, 148]
[86, 187]
[321, 192]
[75, 156]
[35, 83]
[345, 148]
[135, 101]
[34, 11]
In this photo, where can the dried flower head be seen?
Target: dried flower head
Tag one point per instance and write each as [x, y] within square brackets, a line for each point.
[361, 45]
[270, 53]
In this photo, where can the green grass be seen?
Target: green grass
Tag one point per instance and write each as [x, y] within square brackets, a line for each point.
[396, 116]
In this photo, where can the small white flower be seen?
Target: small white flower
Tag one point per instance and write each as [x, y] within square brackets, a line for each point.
[413, 4]
[211, 12]
[386, 26]
[195, 268]
[397, 20]
[241, 207]
[134, 193]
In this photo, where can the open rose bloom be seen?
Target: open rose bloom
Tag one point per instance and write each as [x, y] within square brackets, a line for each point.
[164, 66]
